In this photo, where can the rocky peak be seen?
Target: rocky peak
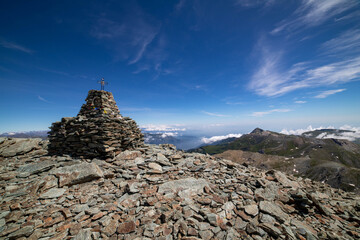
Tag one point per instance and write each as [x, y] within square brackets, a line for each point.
[257, 131]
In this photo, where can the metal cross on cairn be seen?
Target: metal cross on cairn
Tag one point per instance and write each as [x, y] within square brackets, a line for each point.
[103, 83]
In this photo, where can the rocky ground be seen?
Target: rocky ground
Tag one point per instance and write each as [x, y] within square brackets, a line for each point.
[157, 192]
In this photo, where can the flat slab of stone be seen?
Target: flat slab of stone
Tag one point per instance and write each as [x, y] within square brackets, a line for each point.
[53, 193]
[274, 210]
[78, 173]
[37, 167]
[251, 209]
[192, 184]
[18, 146]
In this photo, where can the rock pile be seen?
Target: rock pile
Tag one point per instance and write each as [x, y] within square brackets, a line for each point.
[157, 192]
[98, 130]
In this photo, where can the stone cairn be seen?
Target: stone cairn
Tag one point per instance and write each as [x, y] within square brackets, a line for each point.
[98, 131]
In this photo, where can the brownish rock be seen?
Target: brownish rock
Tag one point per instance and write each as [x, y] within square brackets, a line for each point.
[126, 227]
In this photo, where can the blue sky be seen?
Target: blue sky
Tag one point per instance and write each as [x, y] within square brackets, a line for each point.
[217, 67]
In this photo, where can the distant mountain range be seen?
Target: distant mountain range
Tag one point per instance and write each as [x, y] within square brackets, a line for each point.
[30, 134]
[334, 161]
[179, 140]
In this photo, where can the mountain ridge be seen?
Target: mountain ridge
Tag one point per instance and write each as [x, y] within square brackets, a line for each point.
[334, 161]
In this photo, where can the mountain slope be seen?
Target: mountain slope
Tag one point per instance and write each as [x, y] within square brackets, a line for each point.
[334, 161]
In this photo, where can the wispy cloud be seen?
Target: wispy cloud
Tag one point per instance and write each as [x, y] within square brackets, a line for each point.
[218, 138]
[180, 5]
[345, 43]
[328, 93]
[261, 114]
[273, 79]
[254, 3]
[142, 69]
[233, 100]
[215, 114]
[43, 99]
[313, 13]
[131, 37]
[55, 72]
[15, 46]
[142, 43]
[300, 102]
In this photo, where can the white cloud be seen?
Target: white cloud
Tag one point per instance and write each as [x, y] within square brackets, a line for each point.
[43, 99]
[352, 135]
[215, 114]
[300, 102]
[15, 46]
[301, 130]
[143, 43]
[347, 42]
[162, 128]
[169, 134]
[328, 93]
[129, 38]
[260, 114]
[218, 138]
[272, 79]
[312, 13]
[254, 3]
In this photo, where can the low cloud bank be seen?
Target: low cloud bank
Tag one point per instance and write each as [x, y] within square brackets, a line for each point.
[169, 134]
[218, 138]
[302, 130]
[351, 134]
[162, 128]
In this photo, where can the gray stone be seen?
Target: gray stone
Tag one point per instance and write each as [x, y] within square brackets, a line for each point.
[160, 158]
[22, 232]
[206, 234]
[231, 234]
[285, 181]
[274, 210]
[37, 167]
[53, 193]
[84, 234]
[251, 209]
[2, 222]
[304, 228]
[155, 166]
[271, 229]
[18, 146]
[128, 155]
[80, 208]
[192, 184]
[212, 218]
[265, 218]
[78, 173]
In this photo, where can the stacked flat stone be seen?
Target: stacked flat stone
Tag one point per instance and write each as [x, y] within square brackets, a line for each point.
[98, 131]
